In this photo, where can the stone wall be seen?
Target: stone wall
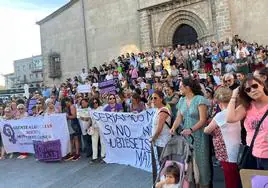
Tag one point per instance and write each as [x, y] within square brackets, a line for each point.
[64, 34]
[223, 19]
[249, 19]
[166, 18]
[112, 29]
[148, 3]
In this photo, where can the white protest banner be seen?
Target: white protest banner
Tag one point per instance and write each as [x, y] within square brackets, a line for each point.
[18, 135]
[83, 89]
[126, 136]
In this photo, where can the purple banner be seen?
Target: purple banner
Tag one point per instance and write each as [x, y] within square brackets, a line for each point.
[108, 86]
[47, 151]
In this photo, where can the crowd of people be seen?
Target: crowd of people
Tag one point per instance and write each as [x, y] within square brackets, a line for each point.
[216, 88]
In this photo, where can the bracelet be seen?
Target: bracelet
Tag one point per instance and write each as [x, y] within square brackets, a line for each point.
[191, 130]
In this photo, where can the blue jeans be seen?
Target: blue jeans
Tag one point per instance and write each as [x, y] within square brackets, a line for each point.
[262, 164]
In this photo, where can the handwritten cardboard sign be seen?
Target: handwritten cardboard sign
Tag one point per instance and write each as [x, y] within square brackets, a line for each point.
[47, 151]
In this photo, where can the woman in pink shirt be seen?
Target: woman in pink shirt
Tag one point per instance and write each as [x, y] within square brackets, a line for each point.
[254, 103]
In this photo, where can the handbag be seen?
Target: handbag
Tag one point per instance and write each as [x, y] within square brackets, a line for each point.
[245, 159]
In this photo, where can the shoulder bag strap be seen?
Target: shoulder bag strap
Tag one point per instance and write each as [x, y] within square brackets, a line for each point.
[257, 129]
[169, 126]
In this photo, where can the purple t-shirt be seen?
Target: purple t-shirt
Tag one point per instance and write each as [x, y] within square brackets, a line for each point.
[117, 108]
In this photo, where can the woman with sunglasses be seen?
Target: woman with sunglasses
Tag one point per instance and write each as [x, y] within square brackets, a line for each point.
[253, 95]
[162, 121]
[192, 114]
[40, 107]
[113, 106]
[94, 131]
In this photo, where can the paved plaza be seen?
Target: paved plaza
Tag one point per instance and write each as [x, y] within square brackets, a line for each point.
[29, 173]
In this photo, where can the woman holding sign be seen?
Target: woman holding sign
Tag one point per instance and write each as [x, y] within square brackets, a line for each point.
[113, 106]
[162, 121]
[94, 131]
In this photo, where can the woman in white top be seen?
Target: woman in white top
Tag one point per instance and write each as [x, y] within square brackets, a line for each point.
[50, 107]
[226, 138]
[162, 121]
[21, 114]
[94, 131]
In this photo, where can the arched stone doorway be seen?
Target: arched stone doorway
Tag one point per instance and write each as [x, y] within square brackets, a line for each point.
[179, 19]
[184, 34]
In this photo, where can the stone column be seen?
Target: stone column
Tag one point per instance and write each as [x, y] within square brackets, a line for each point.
[223, 20]
[145, 31]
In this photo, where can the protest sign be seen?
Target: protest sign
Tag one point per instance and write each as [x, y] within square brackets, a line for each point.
[32, 103]
[83, 89]
[259, 182]
[202, 76]
[18, 135]
[47, 151]
[126, 136]
[254, 178]
[109, 86]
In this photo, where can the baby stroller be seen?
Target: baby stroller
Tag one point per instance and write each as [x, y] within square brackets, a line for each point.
[180, 151]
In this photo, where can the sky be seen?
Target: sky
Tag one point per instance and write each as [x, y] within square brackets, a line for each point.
[19, 33]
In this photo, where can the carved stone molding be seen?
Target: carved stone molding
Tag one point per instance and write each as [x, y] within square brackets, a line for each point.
[170, 25]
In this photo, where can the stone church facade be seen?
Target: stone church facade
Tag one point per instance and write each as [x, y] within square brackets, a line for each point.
[87, 33]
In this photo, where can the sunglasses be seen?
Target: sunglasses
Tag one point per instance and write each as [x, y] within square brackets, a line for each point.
[20, 108]
[154, 98]
[39, 103]
[254, 86]
[111, 98]
[95, 102]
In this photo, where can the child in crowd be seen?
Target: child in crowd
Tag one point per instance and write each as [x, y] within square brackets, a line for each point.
[172, 177]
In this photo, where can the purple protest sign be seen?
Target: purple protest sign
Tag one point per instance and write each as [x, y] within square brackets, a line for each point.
[259, 182]
[108, 86]
[48, 151]
[31, 104]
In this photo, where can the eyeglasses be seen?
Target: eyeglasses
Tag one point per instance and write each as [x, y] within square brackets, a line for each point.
[20, 108]
[254, 86]
[228, 80]
[111, 98]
